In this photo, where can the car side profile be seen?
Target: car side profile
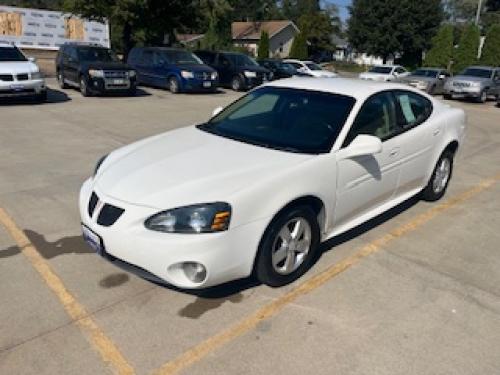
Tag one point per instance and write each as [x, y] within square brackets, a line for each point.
[173, 68]
[384, 73]
[278, 68]
[475, 82]
[93, 69]
[236, 70]
[20, 77]
[310, 68]
[256, 188]
[430, 80]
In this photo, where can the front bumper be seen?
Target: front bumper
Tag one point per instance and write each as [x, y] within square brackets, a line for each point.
[103, 85]
[463, 92]
[194, 84]
[10, 89]
[226, 255]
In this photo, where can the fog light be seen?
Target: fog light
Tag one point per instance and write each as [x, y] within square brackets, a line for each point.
[195, 272]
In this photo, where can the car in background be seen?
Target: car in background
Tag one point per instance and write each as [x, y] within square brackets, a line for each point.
[430, 80]
[310, 68]
[20, 76]
[384, 73]
[176, 69]
[93, 69]
[278, 68]
[236, 70]
[475, 82]
[260, 185]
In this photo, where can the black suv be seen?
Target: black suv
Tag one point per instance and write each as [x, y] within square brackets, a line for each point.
[93, 69]
[236, 70]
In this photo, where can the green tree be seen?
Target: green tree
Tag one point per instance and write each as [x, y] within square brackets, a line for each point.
[491, 49]
[263, 51]
[466, 53]
[218, 33]
[441, 53]
[299, 47]
[317, 29]
[384, 28]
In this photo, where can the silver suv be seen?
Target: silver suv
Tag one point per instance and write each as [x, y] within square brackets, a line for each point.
[19, 76]
[477, 82]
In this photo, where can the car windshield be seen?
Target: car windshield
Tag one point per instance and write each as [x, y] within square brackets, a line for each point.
[381, 69]
[313, 66]
[11, 54]
[425, 73]
[476, 72]
[292, 120]
[239, 59]
[96, 54]
[287, 67]
[181, 57]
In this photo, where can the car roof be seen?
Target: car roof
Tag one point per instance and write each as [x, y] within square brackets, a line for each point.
[356, 88]
[481, 67]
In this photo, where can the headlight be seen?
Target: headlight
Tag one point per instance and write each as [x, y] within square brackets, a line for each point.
[36, 75]
[96, 73]
[131, 73]
[250, 74]
[99, 163]
[199, 218]
[187, 74]
[214, 75]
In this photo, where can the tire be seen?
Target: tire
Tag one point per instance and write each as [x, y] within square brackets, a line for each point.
[84, 89]
[278, 263]
[173, 85]
[60, 80]
[441, 176]
[236, 83]
[483, 97]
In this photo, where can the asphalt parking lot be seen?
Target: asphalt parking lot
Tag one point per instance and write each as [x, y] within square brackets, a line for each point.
[416, 291]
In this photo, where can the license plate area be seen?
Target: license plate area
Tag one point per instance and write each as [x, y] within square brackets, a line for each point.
[17, 87]
[93, 240]
[207, 84]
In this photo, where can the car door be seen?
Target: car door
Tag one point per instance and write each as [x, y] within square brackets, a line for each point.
[146, 67]
[496, 82]
[225, 69]
[139, 64]
[366, 182]
[420, 134]
[71, 66]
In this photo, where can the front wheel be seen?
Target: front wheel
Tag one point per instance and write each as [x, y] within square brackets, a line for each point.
[173, 85]
[236, 83]
[483, 96]
[440, 178]
[84, 89]
[61, 81]
[288, 247]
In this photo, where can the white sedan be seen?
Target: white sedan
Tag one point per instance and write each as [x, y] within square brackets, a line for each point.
[259, 186]
[310, 68]
[384, 73]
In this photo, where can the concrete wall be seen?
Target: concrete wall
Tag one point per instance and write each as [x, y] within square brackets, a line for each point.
[46, 60]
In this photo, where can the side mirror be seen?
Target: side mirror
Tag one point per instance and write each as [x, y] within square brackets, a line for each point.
[362, 145]
[217, 111]
[32, 59]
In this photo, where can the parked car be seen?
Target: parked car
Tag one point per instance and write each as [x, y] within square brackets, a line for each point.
[19, 75]
[278, 68]
[430, 80]
[310, 68]
[255, 189]
[476, 82]
[176, 69]
[384, 73]
[93, 69]
[236, 70]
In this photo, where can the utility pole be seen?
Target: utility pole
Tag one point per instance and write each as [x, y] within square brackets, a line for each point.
[478, 12]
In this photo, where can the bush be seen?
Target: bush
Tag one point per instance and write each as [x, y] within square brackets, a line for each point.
[441, 52]
[491, 48]
[263, 51]
[299, 47]
[466, 53]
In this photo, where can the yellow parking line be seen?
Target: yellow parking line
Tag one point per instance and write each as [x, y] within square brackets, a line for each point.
[206, 347]
[97, 338]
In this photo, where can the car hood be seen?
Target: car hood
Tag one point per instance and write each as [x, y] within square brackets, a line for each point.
[322, 73]
[188, 166]
[411, 78]
[196, 68]
[106, 65]
[469, 79]
[16, 67]
[253, 68]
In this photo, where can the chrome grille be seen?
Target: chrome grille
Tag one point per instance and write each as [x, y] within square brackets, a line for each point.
[115, 74]
[202, 75]
[6, 77]
[461, 84]
[22, 77]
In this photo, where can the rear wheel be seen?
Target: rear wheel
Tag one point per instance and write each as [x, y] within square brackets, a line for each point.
[440, 178]
[288, 247]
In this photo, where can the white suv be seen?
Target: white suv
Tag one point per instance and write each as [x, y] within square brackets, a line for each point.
[384, 73]
[20, 76]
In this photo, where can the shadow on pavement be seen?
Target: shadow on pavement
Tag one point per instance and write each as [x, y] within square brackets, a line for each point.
[53, 97]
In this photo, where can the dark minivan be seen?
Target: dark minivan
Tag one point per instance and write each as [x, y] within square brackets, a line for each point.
[93, 69]
[176, 69]
[236, 70]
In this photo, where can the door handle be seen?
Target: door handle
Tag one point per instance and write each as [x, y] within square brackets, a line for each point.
[394, 152]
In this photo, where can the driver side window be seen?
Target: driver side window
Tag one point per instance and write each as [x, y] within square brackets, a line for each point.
[376, 117]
